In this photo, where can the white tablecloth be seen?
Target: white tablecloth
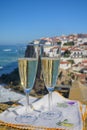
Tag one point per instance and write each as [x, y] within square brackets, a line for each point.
[7, 95]
[70, 119]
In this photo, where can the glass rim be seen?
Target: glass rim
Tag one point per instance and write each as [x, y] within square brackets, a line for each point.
[27, 58]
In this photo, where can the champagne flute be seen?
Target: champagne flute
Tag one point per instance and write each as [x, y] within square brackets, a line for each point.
[27, 72]
[50, 61]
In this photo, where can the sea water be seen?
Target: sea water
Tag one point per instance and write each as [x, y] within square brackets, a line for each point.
[9, 55]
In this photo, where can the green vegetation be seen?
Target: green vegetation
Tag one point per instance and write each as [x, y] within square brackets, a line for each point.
[71, 61]
[69, 44]
[58, 43]
[67, 53]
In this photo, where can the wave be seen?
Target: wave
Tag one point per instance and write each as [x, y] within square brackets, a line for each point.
[7, 50]
[1, 67]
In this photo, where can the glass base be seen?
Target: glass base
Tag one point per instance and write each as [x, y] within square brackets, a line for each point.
[26, 118]
[50, 115]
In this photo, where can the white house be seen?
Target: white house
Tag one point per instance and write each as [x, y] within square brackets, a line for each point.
[85, 52]
[65, 65]
[76, 53]
[51, 51]
[48, 43]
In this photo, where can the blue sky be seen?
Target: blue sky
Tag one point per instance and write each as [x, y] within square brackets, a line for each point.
[22, 21]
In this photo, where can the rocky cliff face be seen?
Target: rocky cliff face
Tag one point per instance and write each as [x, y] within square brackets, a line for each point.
[29, 51]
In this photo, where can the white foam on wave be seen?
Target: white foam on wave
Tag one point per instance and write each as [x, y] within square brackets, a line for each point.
[1, 67]
[7, 50]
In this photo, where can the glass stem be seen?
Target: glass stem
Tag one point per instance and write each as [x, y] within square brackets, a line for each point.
[27, 98]
[50, 100]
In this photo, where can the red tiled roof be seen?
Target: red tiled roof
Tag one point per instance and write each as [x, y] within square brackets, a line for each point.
[75, 49]
[85, 61]
[64, 62]
[82, 45]
[81, 75]
[64, 49]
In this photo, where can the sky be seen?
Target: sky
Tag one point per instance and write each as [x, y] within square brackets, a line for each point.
[22, 21]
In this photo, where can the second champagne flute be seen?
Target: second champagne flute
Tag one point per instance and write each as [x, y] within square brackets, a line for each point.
[50, 61]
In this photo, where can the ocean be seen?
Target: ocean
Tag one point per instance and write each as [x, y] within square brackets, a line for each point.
[9, 55]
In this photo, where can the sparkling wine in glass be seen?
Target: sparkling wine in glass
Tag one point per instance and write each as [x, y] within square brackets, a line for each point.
[50, 61]
[27, 72]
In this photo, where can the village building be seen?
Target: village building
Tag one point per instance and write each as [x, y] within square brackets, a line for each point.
[65, 65]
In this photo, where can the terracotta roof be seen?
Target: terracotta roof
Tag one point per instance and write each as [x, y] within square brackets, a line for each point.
[85, 61]
[64, 62]
[72, 48]
[64, 49]
[82, 45]
[81, 75]
[75, 49]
